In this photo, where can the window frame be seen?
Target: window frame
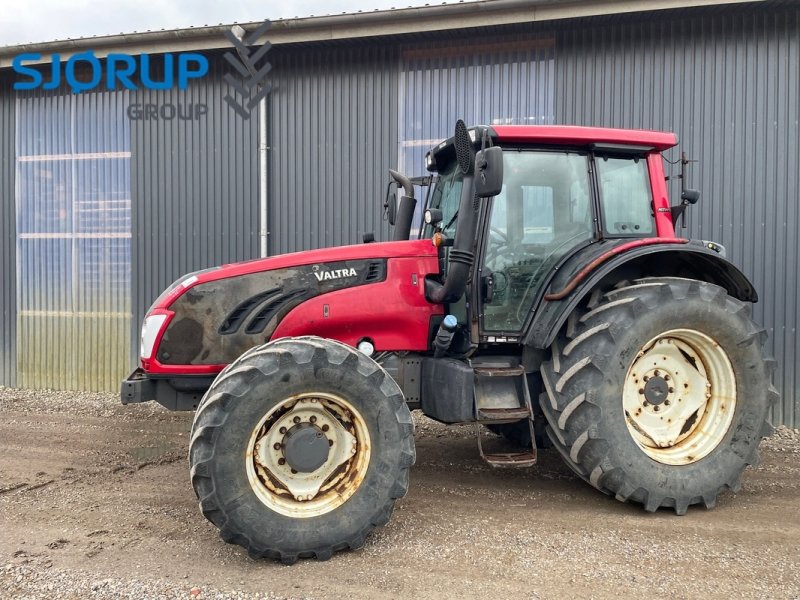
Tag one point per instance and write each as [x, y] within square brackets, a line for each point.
[604, 232]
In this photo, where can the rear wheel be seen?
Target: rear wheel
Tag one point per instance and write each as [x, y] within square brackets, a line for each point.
[300, 448]
[658, 392]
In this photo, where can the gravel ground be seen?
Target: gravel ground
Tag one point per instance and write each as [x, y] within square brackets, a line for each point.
[95, 503]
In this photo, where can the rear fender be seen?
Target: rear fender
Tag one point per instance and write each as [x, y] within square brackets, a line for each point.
[612, 263]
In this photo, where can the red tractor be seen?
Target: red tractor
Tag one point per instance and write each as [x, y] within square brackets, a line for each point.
[547, 298]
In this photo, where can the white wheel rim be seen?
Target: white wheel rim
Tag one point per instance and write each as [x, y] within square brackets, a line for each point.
[679, 396]
[308, 494]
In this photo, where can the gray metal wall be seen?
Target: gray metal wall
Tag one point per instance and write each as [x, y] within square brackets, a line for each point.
[725, 80]
[333, 136]
[729, 84]
[194, 190]
[8, 258]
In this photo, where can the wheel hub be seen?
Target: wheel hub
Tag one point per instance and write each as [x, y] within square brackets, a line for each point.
[679, 396]
[306, 448]
[656, 390]
[309, 454]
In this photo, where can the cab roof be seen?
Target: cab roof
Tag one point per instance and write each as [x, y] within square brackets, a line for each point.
[569, 135]
[640, 141]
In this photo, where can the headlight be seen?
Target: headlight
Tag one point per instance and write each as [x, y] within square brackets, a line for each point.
[151, 327]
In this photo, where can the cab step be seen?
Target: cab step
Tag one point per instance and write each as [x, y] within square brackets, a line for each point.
[508, 459]
[503, 415]
[502, 396]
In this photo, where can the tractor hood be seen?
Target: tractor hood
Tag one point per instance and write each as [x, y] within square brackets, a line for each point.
[211, 317]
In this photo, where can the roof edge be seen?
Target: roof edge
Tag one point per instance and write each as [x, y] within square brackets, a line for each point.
[462, 15]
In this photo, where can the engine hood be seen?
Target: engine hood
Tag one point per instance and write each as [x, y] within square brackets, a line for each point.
[378, 250]
[217, 314]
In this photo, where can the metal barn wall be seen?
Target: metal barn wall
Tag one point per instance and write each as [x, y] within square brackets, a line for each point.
[729, 84]
[194, 189]
[333, 137]
[8, 256]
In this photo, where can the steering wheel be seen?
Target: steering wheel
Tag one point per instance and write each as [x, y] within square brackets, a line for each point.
[496, 249]
[499, 233]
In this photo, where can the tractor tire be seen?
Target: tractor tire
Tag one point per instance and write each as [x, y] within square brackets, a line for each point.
[657, 392]
[300, 448]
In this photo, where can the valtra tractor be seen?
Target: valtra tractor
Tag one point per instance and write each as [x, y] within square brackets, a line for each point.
[547, 298]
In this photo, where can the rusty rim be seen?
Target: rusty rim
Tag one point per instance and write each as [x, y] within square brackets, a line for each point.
[679, 396]
[308, 490]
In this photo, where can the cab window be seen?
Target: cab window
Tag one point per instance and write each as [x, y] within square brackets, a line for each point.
[625, 196]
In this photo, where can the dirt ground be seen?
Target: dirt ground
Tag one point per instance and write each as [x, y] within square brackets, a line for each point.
[95, 501]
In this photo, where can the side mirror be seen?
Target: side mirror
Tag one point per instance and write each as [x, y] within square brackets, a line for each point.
[390, 206]
[690, 196]
[489, 172]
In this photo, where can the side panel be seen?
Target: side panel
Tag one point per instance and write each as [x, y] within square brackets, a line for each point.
[393, 314]
[215, 322]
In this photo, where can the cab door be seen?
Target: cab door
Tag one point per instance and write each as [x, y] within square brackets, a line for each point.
[543, 212]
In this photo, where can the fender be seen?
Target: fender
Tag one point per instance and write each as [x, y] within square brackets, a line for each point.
[609, 261]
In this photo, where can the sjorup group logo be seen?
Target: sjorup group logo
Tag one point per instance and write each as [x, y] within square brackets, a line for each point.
[85, 71]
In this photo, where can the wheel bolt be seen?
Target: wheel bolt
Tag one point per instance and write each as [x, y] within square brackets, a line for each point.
[277, 445]
[666, 377]
[282, 430]
[646, 378]
[671, 390]
[656, 373]
[667, 402]
[645, 404]
[641, 390]
[325, 428]
[281, 461]
[296, 419]
[313, 419]
[294, 472]
[656, 408]
[330, 442]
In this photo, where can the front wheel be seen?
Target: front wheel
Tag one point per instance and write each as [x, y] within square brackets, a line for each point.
[300, 448]
[658, 392]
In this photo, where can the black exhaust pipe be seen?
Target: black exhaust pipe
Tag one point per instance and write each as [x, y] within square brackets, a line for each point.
[405, 212]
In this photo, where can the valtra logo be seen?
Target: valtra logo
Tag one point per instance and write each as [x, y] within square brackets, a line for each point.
[333, 274]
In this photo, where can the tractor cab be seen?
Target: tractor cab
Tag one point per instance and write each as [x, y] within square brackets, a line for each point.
[556, 195]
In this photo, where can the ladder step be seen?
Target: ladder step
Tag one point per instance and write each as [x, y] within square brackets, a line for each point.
[487, 371]
[511, 459]
[503, 415]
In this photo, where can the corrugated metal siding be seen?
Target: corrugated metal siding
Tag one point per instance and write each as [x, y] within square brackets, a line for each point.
[73, 239]
[508, 81]
[729, 85]
[8, 249]
[194, 189]
[332, 136]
